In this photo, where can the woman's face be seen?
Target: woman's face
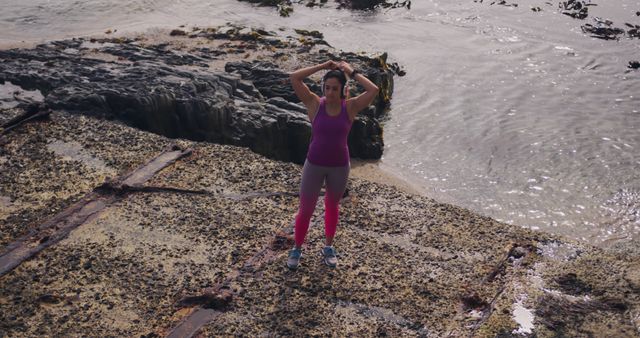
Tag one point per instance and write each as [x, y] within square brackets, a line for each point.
[332, 88]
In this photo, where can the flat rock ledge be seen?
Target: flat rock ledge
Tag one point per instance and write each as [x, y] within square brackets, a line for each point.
[205, 240]
[224, 85]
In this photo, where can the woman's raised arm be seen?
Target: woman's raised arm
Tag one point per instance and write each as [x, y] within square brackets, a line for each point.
[358, 103]
[308, 98]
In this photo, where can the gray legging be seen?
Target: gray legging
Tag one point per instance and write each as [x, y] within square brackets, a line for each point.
[312, 178]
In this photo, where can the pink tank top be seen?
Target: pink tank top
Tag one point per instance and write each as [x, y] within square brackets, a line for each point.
[329, 137]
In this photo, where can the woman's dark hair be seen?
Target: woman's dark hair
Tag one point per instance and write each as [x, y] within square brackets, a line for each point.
[338, 74]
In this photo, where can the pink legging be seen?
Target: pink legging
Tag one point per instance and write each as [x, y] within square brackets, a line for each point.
[312, 178]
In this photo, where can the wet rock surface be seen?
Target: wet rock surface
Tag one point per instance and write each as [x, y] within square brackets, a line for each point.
[286, 7]
[500, 2]
[575, 8]
[408, 265]
[373, 4]
[184, 92]
[603, 30]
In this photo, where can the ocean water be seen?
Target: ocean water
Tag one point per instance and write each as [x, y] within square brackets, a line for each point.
[513, 113]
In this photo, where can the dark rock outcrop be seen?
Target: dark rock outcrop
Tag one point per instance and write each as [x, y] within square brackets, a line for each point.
[365, 139]
[373, 4]
[500, 2]
[285, 7]
[575, 8]
[172, 93]
[634, 32]
[603, 29]
[153, 96]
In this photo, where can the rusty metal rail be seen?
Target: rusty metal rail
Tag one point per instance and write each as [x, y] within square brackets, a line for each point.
[30, 115]
[88, 208]
[214, 301]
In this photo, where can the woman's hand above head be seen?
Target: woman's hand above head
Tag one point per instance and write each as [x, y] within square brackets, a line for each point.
[345, 67]
[308, 98]
[330, 65]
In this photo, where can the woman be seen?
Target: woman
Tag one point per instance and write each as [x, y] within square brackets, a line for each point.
[327, 160]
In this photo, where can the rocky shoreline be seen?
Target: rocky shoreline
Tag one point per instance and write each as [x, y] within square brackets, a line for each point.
[208, 234]
[224, 85]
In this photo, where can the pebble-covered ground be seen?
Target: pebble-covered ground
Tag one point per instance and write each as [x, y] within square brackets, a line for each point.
[408, 266]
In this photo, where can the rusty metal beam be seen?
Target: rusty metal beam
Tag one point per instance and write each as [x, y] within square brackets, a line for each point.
[19, 120]
[85, 210]
[193, 323]
[214, 301]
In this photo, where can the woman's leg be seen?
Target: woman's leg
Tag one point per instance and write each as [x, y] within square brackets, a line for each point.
[336, 185]
[310, 185]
